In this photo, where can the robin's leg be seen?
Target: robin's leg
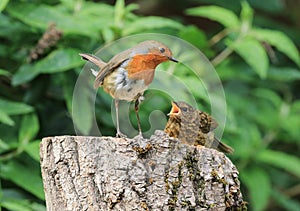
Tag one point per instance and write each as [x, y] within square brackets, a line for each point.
[119, 134]
[136, 108]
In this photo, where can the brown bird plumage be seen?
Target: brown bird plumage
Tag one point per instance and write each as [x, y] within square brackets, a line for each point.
[193, 127]
[128, 74]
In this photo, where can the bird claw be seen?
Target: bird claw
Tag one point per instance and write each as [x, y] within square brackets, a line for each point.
[141, 98]
[139, 136]
[120, 135]
[200, 146]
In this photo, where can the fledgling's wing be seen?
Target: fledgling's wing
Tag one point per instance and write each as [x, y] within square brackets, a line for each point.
[207, 123]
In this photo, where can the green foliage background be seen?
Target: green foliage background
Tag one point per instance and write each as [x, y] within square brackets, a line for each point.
[253, 47]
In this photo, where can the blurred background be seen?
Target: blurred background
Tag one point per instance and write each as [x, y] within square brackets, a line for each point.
[253, 45]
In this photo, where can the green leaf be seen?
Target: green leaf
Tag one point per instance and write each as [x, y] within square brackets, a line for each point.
[40, 15]
[14, 108]
[282, 160]
[27, 178]
[3, 4]
[4, 72]
[279, 40]
[291, 123]
[21, 205]
[269, 94]
[9, 139]
[198, 89]
[253, 54]
[33, 149]
[35, 14]
[16, 205]
[108, 35]
[57, 61]
[82, 103]
[119, 12]
[194, 35]
[246, 13]
[259, 186]
[25, 73]
[4, 118]
[131, 7]
[3, 146]
[286, 202]
[284, 74]
[99, 15]
[277, 8]
[68, 82]
[28, 129]
[8, 27]
[223, 16]
[148, 23]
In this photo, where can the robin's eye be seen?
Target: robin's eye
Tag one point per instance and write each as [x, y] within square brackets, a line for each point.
[162, 50]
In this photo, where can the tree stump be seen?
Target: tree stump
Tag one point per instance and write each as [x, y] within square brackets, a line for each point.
[160, 173]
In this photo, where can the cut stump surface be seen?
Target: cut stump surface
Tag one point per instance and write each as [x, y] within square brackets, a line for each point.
[160, 173]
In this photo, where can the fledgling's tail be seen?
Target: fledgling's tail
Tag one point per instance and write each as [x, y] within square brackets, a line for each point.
[95, 60]
[224, 147]
[217, 144]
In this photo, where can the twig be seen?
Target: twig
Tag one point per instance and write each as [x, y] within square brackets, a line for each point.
[220, 57]
[216, 38]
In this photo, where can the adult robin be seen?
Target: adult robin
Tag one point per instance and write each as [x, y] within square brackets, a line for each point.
[193, 127]
[128, 74]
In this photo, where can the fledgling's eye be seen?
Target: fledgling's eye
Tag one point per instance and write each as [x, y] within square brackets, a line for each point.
[184, 109]
[162, 50]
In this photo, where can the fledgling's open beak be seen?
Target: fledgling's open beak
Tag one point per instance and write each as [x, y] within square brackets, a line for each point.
[173, 59]
[175, 110]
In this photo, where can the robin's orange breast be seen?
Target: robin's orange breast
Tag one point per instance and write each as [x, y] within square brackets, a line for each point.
[142, 66]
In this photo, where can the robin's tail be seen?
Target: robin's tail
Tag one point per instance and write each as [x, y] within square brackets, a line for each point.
[97, 61]
[222, 147]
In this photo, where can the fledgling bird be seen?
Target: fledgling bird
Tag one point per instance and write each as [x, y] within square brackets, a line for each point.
[128, 74]
[193, 127]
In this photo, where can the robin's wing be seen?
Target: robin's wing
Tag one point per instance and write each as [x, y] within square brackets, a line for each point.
[115, 62]
[207, 123]
[89, 57]
[95, 60]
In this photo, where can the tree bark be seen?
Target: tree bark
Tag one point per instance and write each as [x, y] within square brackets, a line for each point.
[160, 173]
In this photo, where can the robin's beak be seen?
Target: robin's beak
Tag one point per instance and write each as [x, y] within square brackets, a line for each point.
[175, 110]
[173, 59]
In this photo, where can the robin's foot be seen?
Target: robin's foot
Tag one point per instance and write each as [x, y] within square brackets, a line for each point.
[200, 147]
[139, 136]
[140, 98]
[120, 135]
